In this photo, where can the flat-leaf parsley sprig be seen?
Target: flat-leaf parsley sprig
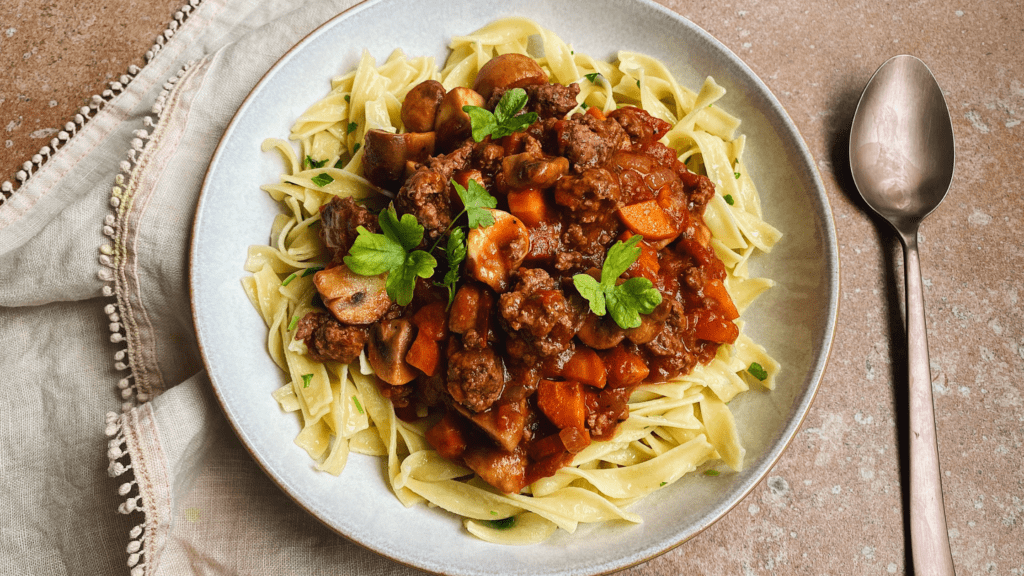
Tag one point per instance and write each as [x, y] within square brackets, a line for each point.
[393, 252]
[625, 302]
[504, 120]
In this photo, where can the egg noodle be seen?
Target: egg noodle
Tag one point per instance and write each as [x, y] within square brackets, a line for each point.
[673, 427]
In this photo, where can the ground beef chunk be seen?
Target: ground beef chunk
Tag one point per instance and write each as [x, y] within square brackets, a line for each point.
[539, 319]
[446, 165]
[340, 218]
[547, 100]
[327, 339]
[476, 376]
[487, 157]
[425, 196]
[593, 192]
[425, 193]
[552, 100]
[639, 125]
[588, 142]
[671, 352]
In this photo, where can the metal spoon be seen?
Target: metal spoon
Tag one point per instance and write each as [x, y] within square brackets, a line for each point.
[902, 155]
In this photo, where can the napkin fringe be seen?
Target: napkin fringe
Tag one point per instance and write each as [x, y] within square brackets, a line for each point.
[112, 254]
[97, 102]
[120, 465]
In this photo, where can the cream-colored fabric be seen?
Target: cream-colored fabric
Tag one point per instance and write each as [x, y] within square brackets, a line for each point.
[94, 306]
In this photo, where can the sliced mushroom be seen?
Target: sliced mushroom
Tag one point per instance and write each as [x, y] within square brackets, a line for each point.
[496, 251]
[420, 106]
[650, 324]
[528, 170]
[600, 332]
[452, 123]
[508, 71]
[386, 155]
[353, 299]
[389, 343]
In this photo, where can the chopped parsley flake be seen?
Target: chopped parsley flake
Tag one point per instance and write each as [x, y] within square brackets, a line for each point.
[355, 148]
[305, 380]
[592, 77]
[289, 279]
[322, 179]
[711, 472]
[729, 200]
[295, 320]
[358, 405]
[312, 270]
[503, 524]
[736, 175]
[351, 127]
[315, 163]
[757, 371]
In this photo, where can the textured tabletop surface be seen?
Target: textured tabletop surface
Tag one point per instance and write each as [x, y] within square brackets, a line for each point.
[833, 504]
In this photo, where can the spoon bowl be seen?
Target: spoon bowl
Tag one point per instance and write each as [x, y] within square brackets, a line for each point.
[902, 155]
[901, 143]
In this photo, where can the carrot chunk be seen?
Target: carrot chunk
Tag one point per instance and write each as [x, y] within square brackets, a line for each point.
[448, 437]
[715, 290]
[585, 367]
[562, 403]
[649, 219]
[529, 206]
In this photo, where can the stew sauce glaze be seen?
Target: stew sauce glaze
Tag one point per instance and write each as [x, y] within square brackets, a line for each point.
[518, 373]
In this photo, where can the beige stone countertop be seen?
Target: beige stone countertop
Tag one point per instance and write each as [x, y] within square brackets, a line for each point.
[834, 502]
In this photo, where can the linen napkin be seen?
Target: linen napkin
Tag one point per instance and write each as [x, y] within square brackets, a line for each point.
[95, 320]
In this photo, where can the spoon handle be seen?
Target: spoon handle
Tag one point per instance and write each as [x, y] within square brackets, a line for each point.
[929, 540]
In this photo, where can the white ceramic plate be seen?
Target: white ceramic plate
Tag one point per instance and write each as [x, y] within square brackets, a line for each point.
[795, 320]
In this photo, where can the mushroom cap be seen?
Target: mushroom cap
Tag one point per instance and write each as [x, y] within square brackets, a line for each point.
[508, 71]
[351, 298]
[496, 251]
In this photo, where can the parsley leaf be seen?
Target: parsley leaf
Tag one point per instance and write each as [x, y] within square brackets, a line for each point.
[729, 200]
[757, 371]
[455, 252]
[592, 77]
[305, 380]
[628, 300]
[351, 127]
[392, 252]
[477, 200]
[504, 120]
[315, 163]
[624, 302]
[322, 179]
[736, 175]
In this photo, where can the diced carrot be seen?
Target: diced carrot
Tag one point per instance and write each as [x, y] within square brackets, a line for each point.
[715, 328]
[715, 290]
[596, 112]
[624, 368]
[432, 321]
[546, 467]
[646, 265]
[471, 311]
[545, 447]
[424, 354]
[448, 437]
[586, 367]
[648, 219]
[574, 439]
[562, 403]
[530, 206]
